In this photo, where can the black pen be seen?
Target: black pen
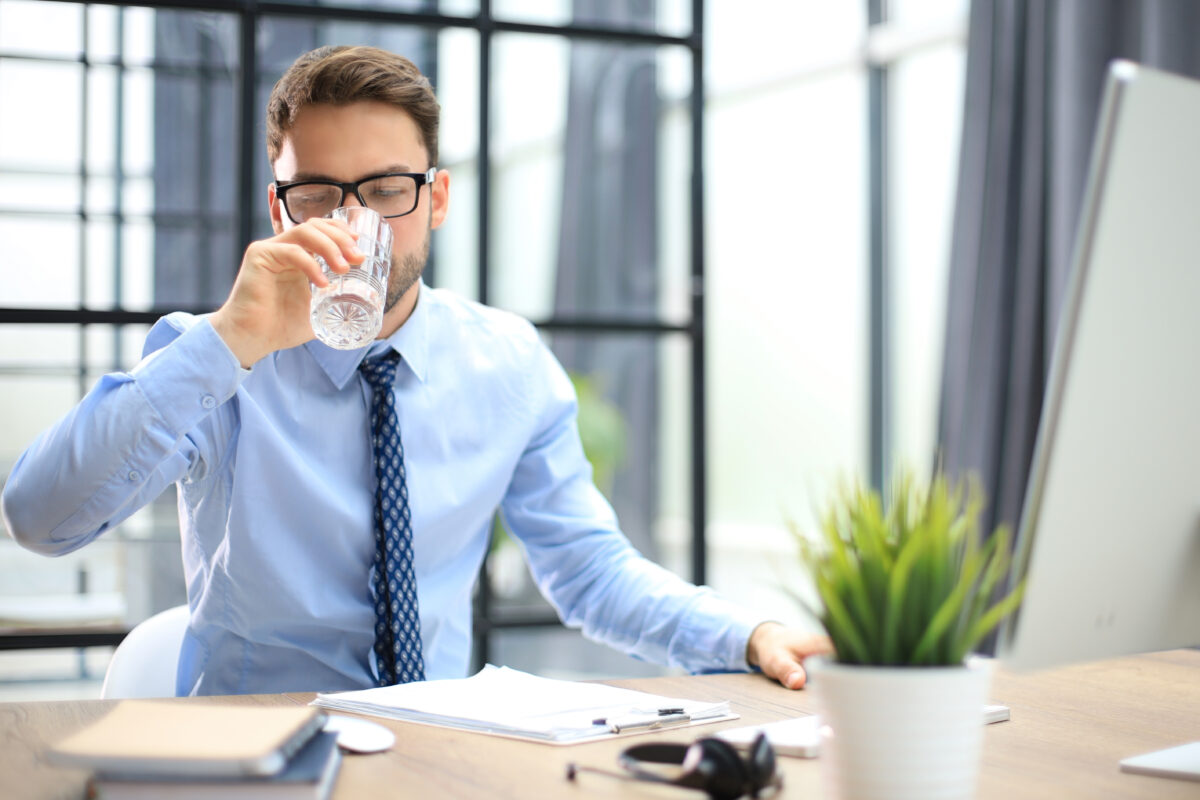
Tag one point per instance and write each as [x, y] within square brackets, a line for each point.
[648, 723]
[662, 712]
[644, 722]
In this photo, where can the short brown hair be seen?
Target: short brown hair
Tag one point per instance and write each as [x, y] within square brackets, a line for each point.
[343, 75]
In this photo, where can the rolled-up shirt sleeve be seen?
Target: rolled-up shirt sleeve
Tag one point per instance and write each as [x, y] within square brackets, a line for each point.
[130, 437]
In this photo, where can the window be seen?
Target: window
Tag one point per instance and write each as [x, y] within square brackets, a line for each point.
[721, 332]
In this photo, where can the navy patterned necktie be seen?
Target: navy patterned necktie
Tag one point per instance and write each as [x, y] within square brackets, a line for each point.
[393, 582]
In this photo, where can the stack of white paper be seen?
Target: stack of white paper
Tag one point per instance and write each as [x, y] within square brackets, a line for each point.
[507, 702]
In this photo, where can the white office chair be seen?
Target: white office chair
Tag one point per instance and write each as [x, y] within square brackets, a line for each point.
[145, 662]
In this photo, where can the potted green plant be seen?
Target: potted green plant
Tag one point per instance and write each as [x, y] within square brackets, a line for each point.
[907, 589]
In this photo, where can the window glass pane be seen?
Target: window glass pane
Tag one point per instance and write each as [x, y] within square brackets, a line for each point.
[100, 291]
[584, 179]
[80, 588]
[744, 50]
[455, 7]
[667, 17]
[925, 92]
[32, 399]
[199, 45]
[145, 267]
[100, 142]
[44, 29]
[102, 32]
[52, 674]
[282, 40]
[455, 257]
[141, 144]
[187, 108]
[40, 192]
[138, 26]
[926, 11]
[53, 143]
[564, 654]
[29, 241]
[786, 244]
[787, 299]
[112, 348]
[529, 85]
[122, 577]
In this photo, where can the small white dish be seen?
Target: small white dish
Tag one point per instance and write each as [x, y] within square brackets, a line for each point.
[360, 735]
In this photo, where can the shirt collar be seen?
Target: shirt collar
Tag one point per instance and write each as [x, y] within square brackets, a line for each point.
[411, 341]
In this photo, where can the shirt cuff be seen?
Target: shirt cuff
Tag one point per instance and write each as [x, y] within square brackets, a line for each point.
[190, 377]
[716, 633]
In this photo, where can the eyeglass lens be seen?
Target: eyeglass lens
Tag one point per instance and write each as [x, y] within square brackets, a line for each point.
[390, 195]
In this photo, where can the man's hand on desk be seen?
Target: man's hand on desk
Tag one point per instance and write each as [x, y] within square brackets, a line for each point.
[780, 652]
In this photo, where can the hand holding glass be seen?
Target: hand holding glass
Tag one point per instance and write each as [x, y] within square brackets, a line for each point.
[348, 313]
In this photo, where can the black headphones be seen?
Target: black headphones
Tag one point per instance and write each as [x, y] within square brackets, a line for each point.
[711, 765]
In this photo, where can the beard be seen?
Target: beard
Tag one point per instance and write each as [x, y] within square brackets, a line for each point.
[405, 272]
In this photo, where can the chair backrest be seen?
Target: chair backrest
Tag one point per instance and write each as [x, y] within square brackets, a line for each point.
[145, 663]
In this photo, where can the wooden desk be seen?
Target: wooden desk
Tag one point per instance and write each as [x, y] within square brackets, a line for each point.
[1069, 729]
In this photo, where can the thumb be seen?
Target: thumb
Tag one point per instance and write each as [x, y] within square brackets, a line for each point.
[786, 669]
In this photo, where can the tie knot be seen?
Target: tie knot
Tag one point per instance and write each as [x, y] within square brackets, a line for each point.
[379, 371]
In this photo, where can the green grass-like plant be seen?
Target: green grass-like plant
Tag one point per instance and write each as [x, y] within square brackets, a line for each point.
[913, 583]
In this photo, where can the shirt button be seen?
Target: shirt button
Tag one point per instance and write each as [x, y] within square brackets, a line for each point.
[208, 401]
[135, 476]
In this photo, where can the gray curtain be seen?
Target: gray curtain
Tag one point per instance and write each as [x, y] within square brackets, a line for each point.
[1035, 71]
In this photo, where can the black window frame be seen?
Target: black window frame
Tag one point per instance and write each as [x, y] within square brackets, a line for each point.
[249, 14]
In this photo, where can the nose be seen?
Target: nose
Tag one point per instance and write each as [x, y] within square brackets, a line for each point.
[350, 198]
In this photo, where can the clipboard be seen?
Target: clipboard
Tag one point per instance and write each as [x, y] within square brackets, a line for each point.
[499, 701]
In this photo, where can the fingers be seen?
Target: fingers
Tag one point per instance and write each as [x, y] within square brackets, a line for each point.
[267, 309]
[780, 652]
[298, 248]
[330, 239]
[784, 667]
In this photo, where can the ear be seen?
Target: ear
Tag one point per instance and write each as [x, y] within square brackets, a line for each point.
[439, 190]
[276, 207]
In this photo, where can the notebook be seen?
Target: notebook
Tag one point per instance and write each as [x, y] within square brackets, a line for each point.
[149, 737]
[309, 775]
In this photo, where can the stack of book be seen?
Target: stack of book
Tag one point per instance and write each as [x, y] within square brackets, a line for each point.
[144, 749]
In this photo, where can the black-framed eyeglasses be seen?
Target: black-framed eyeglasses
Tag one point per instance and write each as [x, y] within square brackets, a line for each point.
[393, 194]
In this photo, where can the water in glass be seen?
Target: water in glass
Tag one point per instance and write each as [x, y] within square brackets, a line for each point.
[348, 313]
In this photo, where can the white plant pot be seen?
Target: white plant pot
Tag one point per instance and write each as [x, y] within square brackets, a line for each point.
[901, 733]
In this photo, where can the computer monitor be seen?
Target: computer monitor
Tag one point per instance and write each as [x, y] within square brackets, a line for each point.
[1109, 537]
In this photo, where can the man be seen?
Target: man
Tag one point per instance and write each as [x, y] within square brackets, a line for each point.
[268, 434]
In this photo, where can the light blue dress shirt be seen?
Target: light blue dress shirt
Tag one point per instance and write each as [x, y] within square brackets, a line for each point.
[276, 489]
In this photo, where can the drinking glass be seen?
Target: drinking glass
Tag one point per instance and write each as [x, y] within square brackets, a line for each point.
[347, 313]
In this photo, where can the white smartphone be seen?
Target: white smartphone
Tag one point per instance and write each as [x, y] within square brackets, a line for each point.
[800, 737]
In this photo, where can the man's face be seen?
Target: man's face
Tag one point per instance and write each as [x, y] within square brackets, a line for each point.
[355, 141]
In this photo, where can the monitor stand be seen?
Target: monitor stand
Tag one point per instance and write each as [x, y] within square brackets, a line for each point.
[1174, 762]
